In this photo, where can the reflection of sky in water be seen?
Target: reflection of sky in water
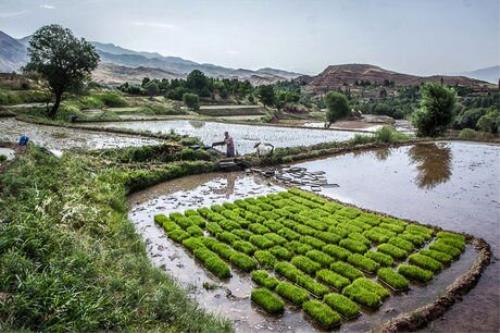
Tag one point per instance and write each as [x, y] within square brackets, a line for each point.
[455, 185]
[245, 136]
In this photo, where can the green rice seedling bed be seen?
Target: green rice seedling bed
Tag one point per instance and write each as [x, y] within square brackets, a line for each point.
[267, 300]
[322, 314]
[320, 249]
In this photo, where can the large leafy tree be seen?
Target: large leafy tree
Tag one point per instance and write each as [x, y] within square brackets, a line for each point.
[437, 108]
[337, 105]
[62, 59]
[267, 95]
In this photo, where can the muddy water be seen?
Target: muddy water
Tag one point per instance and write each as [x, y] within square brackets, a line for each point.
[231, 298]
[245, 136]
[454, 185]
[7, 152]
[59, 138]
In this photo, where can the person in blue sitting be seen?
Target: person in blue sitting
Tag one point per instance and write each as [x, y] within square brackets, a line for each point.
[23, 140]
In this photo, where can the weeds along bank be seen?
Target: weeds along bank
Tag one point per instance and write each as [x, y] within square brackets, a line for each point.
[71, 261]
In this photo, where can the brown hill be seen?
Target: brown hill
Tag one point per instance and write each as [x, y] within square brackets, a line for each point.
[338, 76]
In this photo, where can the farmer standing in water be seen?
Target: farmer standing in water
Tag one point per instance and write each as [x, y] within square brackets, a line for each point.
[229, 142]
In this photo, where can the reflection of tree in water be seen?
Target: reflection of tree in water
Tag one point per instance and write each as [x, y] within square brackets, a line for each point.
[382, 154]
[228, 190]
[196, 123]
[433, 164]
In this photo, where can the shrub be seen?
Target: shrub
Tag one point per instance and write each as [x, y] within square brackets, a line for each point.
[364, 263]
[265, 258]
[322, 258]
[379, 257]
[362, 296]
[294, 294]
[261, 242]
[343, 305]
[393, 279]
[212, 262]
[402, 243]
[244, 246]
[321, 313]
[467, 134]
[387, 134]
[353, 245]
[372, 286]
[445, 248]
[268, 301]
[337, 251]
[425, 262]
[415, 273]
[280, 252]
[262, 278]
[192, 101]
[439, 256]
[346, 270]
[243, 262]
[332, 279]
[305, 264]
[392, 250]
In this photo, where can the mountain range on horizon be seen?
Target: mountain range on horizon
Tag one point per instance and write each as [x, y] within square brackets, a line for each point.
[119, 64]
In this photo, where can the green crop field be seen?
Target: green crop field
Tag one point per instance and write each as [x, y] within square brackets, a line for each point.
[301, 249]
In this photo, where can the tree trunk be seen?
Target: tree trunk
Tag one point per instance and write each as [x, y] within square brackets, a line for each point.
[55, 107]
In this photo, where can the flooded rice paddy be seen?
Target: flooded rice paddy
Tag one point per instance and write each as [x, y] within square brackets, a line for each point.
[231, 299]
[61, 138]
[454, 185]
[245, 136]
[7, 152]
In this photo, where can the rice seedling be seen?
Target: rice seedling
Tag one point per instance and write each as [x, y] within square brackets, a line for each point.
[265, 258]
[372, 286]
[415, 238]
[392, 227]
[280, 252]
[261, 242]
[227, 237]
[328, 237]
[393, 279]
[213, 228]
[322, 314]
[343, 305]
[354, 246]
[362, 296]
[263, 279]
[212, 262]
[311, 285]
[393, 251]
[258, 228]
[273, 225]
[439, 256]
[289, 234]
[425, 262]
[320, 257]
[376, 236]
[440, 246]
[346, 270]
[294, 294]
[363, 263]
[337, 252]
[178, 235]
[195, 231]
[242, 233]
[298, 247]
[276, 239]
[243, 262]
[415, 273]
[332, 279]
[193, 243]
[267, 300]
[314, 242]
[244, 246]
[402, 243]
[380, 258]
[305, 264]
[287, 270]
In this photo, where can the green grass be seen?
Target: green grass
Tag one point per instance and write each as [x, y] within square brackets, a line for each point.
[393, 279]
[415, 273]
[305, 264]
[354, 245]
[336, 251]
[262, 278]
[443, 258]
[363, 263]
[320, 257]
[380, 258]
[322, 314]
[392, 250]
[425, 262]
[265, 258]
[267, 300]
[343, 305]
[294, 294]
[346, 270]
[332, 279]
[243, 262]
[362, 296]
[212, 262]
[261, 242]
[244, 246]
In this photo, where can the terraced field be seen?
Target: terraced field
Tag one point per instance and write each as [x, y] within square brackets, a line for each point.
[331, 260]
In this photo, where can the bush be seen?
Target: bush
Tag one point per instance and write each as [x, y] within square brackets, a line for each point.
[268, 301]
[415, 273]
[343, 305]
[364, 263]
[436, 110]
[489, 122]
[265, 258]
[346, 270]
[382, 259]
[294, 294]
[321, 313]
[393, 279]
[337, 105]
[337, 252]
[387, 134]
[467, 134]
[212, 262]
[192, 101]
[243, 262]
[305, 264]
[112, 99]
[332, 279]
[262, 278]
[425, 262]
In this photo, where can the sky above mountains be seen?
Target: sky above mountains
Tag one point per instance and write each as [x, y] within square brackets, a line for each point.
[419, 37]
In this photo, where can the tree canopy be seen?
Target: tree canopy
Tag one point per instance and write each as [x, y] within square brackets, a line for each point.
[337, 105]
[62, 59]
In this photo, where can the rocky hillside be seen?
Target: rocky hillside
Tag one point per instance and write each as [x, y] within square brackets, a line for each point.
[12, 53]
[338, 76]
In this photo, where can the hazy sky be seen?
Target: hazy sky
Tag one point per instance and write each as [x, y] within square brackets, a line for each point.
[418, 36]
